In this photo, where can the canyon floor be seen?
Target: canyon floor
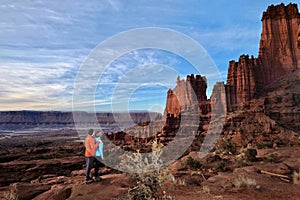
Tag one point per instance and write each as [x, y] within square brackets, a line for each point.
[50, 165]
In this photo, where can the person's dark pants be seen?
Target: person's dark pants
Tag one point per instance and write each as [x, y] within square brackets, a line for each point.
[89, 165]
[98, 163]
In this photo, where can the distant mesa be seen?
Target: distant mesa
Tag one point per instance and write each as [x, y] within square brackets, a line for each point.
[17, 120]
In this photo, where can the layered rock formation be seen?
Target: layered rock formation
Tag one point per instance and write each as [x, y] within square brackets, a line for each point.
[282, 101]
[188, 95]
[264, 89]
[279, 54]
[279, 51]
[241, 81]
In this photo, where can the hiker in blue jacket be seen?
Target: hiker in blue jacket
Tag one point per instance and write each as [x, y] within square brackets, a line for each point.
[99, 153]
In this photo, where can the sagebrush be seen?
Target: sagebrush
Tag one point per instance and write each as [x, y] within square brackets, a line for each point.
[150, 174]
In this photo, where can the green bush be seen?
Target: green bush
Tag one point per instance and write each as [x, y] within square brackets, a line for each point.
[221, 166]
[250, 155]
[191, 163]
[273, 158]
[226, 146]
[241, 163]
[193, 181]
[265, 145]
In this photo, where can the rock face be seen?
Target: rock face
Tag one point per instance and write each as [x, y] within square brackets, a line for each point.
[172, 105]
[282, 101]
[188, 95]
[218, 100]
[279, 51]
[263, 89]
[279, 54]
[241, 81]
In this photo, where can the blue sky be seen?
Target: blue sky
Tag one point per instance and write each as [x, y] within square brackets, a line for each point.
[43, 44]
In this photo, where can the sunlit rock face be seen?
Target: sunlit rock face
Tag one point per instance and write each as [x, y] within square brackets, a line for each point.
[279, 54]
[279, 51]
[265, 87]
[187, 95]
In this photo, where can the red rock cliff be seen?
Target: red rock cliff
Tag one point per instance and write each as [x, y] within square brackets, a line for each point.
[241, 81]
[279, 54]
[188, 94]
[279, 51]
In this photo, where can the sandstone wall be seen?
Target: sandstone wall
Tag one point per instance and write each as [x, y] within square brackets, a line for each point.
[188, 94]
[279, 54]
[241, 81]
[279, 51]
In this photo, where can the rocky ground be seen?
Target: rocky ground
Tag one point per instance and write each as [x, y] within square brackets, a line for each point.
[50, 165]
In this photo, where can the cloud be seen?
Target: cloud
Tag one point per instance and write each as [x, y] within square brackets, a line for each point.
[35, 86]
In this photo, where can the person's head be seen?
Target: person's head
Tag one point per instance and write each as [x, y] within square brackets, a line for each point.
[99, 134]
[91, 131]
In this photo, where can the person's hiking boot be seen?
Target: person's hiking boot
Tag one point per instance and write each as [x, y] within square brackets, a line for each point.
[88, 181]
[97, 178]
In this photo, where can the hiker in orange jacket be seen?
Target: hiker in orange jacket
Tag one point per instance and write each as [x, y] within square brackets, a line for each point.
[90, 149]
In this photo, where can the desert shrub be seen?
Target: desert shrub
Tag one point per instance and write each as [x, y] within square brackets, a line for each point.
[191, 163]
[273, 158]
[226, 146]
[241, 163]
[296, 178]
[265, 145]
[193, 181]
[250, 154]
[10, 195]
[150, 174]
[221, 166]
[247, 155]
[243, 182]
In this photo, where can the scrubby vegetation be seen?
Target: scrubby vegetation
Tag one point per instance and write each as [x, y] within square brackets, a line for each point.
[150, 175]
[273, 158]
[250, 154]
[10, 195]
[191, 163]
[296, 178]
[225, 146]
[221, 166]
[243, 182]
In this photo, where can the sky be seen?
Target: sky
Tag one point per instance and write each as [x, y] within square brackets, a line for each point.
[45, 45]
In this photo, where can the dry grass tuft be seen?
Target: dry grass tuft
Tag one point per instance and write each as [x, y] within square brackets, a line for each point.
[296, 178]
[244, 182]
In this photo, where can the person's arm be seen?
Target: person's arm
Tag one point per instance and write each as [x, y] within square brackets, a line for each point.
[101, 150]
[95, 145]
